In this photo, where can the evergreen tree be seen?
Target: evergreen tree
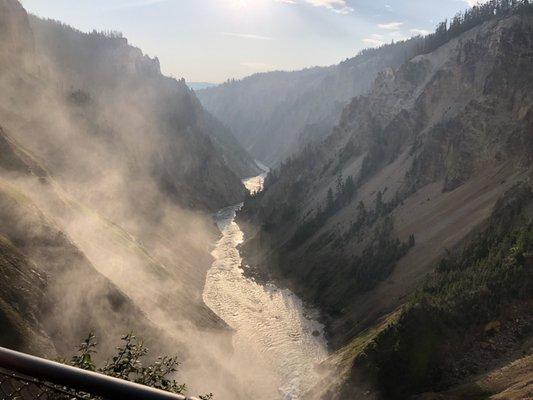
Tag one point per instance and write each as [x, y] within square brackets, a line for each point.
[340, 185]
[412, 241]
[379, 203]
[349, 189]
[330, 200]
[362, 214]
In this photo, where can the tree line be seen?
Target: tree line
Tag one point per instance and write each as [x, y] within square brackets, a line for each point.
[471, 18]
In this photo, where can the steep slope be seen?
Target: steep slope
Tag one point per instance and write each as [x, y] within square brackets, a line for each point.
[273, 114]
[107, 80]
[136, 172]
[236, 158]
[110, 172]
[101, 279]
[22, 290]
[17, 40]
[47, 303]
[356, 223]
[468, 324]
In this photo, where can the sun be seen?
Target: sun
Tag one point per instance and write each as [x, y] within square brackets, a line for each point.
[244, 4]
[245, 8]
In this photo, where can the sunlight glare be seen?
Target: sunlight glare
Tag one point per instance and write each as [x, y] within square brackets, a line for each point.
[241, 3]
[245, 4]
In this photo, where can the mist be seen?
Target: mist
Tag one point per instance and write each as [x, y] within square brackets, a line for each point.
[385, 255]
[120, 181]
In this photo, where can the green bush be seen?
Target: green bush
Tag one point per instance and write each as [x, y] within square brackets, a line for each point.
[127, 364]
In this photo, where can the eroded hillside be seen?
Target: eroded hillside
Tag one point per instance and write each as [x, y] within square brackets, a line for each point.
[356, 223]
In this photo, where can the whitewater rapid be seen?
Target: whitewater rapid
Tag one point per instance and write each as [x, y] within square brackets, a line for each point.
[273, 334]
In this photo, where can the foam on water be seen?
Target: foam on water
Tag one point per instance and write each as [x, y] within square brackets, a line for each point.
[273, 332]
[255, 184]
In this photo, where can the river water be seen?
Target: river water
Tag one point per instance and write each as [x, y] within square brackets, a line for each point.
[275, 338]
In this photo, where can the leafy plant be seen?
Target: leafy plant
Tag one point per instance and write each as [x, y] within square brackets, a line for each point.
[127, 364]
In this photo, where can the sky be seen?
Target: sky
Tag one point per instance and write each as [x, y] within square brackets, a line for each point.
[216, 40]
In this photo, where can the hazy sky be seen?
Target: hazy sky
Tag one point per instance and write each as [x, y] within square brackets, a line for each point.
[213, 40]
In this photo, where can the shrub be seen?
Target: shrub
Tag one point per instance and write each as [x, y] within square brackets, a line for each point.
[127, 364]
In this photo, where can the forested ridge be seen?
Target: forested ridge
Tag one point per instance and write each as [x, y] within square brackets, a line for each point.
[418, 204]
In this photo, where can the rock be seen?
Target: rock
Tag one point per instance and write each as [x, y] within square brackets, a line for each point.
[485, 345]
[492, 327]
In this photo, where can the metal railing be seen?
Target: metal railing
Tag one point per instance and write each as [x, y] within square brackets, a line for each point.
[25, 377]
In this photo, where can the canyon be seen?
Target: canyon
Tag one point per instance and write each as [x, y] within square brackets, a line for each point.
[358, 231]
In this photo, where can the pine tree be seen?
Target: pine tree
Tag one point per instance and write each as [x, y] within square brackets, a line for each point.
[362, 214]
[349, 189]
[379, 203]
[330, 200]
[340, 185]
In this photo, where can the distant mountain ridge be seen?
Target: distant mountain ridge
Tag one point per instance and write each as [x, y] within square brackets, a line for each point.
[201, 85]
[274, 114]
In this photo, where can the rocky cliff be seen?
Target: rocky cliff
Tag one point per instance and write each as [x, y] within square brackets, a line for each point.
[355, 224]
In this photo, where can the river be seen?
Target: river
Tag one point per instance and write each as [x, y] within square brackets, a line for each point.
[275, 337]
